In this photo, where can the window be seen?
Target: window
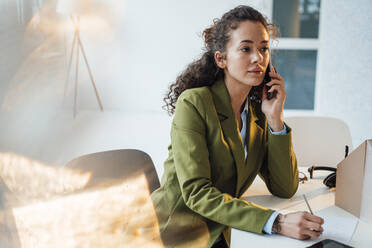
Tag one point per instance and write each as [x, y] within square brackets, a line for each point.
[298, 68]
[295, 55]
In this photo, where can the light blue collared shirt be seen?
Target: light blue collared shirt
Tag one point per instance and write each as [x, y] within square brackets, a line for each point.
[269, 224]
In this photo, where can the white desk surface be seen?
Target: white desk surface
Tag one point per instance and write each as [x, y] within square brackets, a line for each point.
[320, 198]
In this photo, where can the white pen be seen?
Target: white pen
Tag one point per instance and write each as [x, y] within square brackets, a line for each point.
[308, 205]
[311, 211]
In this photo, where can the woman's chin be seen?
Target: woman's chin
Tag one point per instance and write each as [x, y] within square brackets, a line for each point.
[254, 83]
[251, 82]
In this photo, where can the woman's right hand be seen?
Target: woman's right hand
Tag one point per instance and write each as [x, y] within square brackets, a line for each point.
[298, 225]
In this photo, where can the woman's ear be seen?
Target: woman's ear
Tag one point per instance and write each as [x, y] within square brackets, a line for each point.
[220, 59]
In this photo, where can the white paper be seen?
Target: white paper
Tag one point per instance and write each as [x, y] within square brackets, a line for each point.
[337, 226]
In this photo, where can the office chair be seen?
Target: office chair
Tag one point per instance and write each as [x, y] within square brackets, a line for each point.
[320, 143]
[117, 165]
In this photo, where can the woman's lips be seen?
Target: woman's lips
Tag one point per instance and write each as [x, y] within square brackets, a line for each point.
[255, 72]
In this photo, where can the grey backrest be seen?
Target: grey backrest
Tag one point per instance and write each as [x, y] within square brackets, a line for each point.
[117, 165]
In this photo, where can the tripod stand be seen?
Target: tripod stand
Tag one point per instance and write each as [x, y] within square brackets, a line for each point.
[76, 42]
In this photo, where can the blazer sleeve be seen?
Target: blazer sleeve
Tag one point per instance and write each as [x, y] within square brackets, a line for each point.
[279, 170]
[193, 169]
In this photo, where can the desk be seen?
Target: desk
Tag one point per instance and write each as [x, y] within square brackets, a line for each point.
[321, 200]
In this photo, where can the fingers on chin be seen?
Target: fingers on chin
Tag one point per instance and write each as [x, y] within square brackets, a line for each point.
[274, 82]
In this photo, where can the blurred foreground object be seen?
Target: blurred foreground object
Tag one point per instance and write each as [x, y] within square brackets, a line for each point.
[97, 200]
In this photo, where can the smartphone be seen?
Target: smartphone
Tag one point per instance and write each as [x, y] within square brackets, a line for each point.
[329, 243]
[257, 91]
[267, 78]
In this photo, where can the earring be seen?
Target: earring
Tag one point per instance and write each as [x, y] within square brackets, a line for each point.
[217, 71]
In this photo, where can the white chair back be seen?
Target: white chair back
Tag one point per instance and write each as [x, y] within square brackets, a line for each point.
[319, 140]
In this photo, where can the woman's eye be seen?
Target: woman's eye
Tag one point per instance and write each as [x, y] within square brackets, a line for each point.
[245, 49]
[264, 49]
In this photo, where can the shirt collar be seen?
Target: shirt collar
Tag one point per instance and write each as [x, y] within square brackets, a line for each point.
[246, 105]
[245, 110]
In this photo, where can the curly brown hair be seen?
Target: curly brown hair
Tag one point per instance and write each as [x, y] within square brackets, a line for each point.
[204, 71]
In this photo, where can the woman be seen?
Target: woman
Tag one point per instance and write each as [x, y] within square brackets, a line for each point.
[222, 136]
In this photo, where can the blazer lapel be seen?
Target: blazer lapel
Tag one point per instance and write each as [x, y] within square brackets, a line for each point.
[255, 146]
[257, 127]
[230, 127]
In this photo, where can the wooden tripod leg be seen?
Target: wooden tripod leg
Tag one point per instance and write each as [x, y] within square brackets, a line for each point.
[76, 76]
[74, 41]
[89, 71]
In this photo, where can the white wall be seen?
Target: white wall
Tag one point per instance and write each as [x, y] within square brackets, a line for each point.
[144, 47]
[344, 70]
[158, 39]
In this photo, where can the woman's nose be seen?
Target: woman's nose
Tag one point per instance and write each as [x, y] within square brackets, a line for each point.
[256, 56]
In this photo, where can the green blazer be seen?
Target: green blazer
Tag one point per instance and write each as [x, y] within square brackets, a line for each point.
[206, 171]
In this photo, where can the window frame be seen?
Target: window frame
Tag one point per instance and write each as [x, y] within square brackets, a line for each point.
[298, 44]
